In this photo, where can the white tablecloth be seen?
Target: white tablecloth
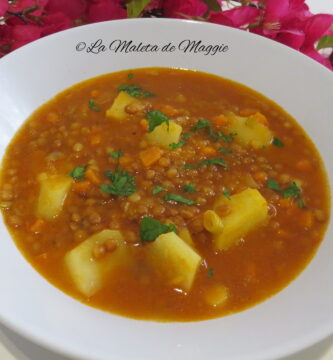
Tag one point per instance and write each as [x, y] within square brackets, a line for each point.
[14, 347]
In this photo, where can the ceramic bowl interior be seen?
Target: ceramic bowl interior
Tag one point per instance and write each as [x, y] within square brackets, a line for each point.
[298, 316]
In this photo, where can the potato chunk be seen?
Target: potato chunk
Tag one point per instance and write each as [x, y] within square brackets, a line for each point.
[163, 136]
[174, 260]
[250, 132]
[117, 109]
[52, 195]
[247, 210]
[89, 273]
[216, 295]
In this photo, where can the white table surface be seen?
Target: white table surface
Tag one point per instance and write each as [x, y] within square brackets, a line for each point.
[15, 347]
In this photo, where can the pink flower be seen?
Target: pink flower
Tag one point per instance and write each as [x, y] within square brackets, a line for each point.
[314, 28]
[4, 5]
[102, 10]
[236, 17]
[20, 5]
[23, 34]
[55, 22]
[72, 8]
[175, 8]
[5, 39]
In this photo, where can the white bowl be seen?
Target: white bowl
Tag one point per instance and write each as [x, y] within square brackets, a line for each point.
[295, 318]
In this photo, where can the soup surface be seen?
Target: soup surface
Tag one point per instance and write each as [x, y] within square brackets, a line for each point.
[164, 194]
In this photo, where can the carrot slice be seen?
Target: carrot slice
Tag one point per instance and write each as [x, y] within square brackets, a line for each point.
[220, 121]
[92, 176]
[150, 155]
[261, 118]
[81, 187]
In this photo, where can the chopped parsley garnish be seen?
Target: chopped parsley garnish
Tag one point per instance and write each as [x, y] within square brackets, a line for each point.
[78, 173]
[227, 194]
[218, 135]
[157, 189]
[216, 161]
[264, 147]
[202, 123]
[135, 91]
[292, 191]
[181, 142]
[277, 142]
[92, 105]
[150, 229]
[225, 151]
[130, 76]
[122, 183]
[178, 198]
[273, 185]
[189, 188]
[116, 154]
[156, 118]
[210, 272]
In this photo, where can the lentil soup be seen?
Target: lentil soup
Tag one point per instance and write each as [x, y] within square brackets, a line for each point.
[164, 194]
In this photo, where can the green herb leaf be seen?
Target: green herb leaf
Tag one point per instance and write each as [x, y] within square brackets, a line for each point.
[264, 147]
[210, 272]
[291, 191]
[300, 202]
[130, 76]
[273, 185]
[172, 227]
[135, 7]
[122, 183]
[325, 42]
[135, 91]
[181, 142]
[189, 188]
[78, 173]
[116, 154]
[156, 118]
[150, 229]
[178, 198]
[201, 124]
[227, 194]
[277, 142]
[92, 105]
[157, 189]
[216, 161]
[225, 151]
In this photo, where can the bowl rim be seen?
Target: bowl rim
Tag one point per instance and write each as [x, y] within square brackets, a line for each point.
[293, 346]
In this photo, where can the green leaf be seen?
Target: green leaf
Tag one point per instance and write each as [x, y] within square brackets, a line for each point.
[130, 76]
[116, 154]
[325, 42]
[135, 91]
[122, 183]
[225, 151]
[189, 188]
[178, 198]
[92, 105]
[273, 185]
[157, 189]
[135, 7]
[150, 229]
[78, 173]
[227, 194]
[291, 191]
[156, 118]
[181, 142]
[216, 161]
[210, 272]
[277, 142]
[201, 124]
[213, 5]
